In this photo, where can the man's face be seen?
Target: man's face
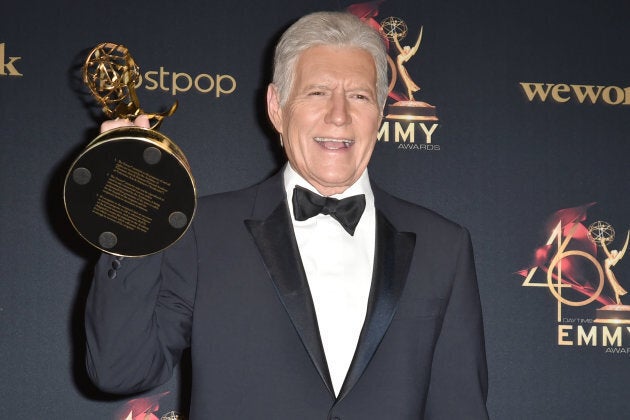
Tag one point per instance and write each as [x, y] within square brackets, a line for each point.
[330, 120]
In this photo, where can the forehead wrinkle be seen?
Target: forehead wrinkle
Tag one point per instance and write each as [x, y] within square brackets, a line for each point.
[351, 86]
[333, 71]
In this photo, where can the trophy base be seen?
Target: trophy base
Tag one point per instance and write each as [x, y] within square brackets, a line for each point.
[613, 314]
[411, 111]
[130, 193]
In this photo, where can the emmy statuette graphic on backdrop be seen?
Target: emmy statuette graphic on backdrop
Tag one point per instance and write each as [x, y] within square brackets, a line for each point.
[602, 234]
[131, 191]
[395, 29]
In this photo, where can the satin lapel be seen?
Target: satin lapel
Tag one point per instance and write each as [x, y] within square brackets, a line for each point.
[277, 245]
[393, 254]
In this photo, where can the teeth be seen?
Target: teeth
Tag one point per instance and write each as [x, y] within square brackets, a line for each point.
[345, 142]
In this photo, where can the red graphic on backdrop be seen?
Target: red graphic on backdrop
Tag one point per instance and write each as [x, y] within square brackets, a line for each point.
[144, 408]
[569, 258]
[578, 265]
[368, 12]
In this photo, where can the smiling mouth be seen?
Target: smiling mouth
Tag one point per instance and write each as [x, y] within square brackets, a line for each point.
[334, 144]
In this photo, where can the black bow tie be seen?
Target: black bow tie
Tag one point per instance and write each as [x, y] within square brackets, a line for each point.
[346, 211]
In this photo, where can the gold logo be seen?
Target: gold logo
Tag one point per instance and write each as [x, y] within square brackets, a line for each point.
[7, 68]
[408, 109]
[582, 94]
[111, 74]
[577, 275]
[602, 234]
[408, 122]
[180, 82]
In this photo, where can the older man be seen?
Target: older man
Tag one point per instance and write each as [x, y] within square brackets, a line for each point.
[314, 294]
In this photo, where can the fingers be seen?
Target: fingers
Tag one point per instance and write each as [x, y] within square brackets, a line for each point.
[111, 124]
[140, 121]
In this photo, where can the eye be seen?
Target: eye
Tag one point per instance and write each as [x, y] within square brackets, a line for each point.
[362, 97]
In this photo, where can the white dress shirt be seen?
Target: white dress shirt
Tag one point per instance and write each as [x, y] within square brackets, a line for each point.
[338, 267]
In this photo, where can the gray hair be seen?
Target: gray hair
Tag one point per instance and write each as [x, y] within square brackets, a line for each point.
[327, 28]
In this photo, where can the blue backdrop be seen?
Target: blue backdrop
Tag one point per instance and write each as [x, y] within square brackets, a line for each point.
[533, 107]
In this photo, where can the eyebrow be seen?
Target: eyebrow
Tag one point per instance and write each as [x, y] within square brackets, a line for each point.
[325, 86]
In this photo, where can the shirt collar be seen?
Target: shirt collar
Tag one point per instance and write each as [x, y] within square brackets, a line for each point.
[361, 186]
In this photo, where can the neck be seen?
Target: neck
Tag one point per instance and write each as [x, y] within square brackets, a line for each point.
[329, 190]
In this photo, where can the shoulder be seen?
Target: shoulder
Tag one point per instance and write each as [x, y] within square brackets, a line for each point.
[227, 198]
[255, 201]
[411, 217]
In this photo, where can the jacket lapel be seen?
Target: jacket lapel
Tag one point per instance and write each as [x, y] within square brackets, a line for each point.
[273, 233]
[271, 229]
[392, 258]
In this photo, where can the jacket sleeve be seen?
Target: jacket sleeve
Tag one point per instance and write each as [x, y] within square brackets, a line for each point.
[139, 316]
[459, 378]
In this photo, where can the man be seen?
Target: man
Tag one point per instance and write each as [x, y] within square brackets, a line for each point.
[295, 315]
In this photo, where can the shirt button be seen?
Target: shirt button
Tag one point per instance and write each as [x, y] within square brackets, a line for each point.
[111, 274]
[116, 264]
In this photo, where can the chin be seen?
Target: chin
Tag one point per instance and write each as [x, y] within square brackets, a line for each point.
[337, 181]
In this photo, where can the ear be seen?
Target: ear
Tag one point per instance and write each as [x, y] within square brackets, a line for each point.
[274, 110]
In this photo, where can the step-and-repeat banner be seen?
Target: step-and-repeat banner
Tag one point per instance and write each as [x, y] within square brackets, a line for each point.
[513, 118]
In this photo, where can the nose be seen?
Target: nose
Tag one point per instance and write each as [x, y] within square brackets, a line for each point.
[338, 111]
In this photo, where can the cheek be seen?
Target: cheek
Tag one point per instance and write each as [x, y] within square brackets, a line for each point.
[295, 123]
[369, 133]
[366, 155]
[296, 144]
[300, 131]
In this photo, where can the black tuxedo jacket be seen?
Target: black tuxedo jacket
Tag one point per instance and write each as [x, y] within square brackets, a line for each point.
[234, 290]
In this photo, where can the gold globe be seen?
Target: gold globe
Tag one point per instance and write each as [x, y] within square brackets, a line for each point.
[394, 27]
[601, 233]
[111, 73]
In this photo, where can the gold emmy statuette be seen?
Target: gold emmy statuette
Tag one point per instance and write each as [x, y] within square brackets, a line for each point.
[395, 29]
[603, 234]
[131, 191]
